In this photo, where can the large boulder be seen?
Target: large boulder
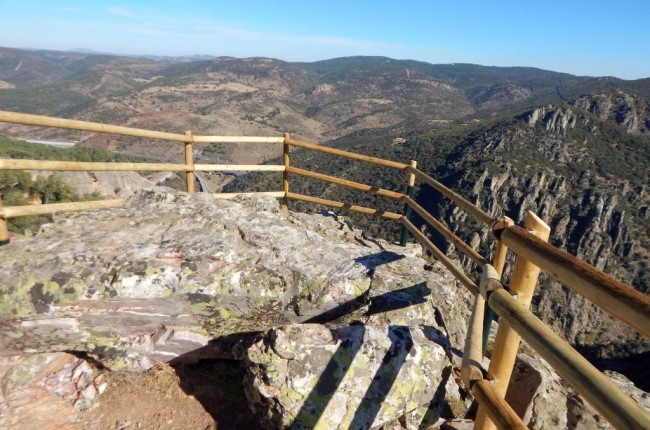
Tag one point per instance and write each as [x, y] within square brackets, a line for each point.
[308, 376]
[172, 270]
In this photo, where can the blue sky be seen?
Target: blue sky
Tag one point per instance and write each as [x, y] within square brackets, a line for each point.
[594, 38]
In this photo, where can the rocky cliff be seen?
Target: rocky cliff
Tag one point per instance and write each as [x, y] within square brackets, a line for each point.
[589, 182]
[333, 326]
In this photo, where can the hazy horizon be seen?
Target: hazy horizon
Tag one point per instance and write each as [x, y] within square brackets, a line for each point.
[580, 37]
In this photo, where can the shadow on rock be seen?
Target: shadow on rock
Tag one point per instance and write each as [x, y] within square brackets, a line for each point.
[214, 375]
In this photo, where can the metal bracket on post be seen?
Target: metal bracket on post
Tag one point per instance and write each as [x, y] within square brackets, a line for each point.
[410, 192]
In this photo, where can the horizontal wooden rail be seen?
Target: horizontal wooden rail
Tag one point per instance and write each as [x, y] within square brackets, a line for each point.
[11, 164]
[497, 408]
[16, 211]
[347, 154]
[340, 205]
[238, 168]
[615, 297]
[463, 203]
[618, 408]
[45, 121]
[440, 256]
[345, 183]
[238, 139]
[71, 124]
[440, 227]
[228, 196]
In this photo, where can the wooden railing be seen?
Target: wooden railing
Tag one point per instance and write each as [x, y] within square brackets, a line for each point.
[533, 254]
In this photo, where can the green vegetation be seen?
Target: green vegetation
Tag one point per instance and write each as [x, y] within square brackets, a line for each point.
[35, 151]
[18, 188]
[40, 99]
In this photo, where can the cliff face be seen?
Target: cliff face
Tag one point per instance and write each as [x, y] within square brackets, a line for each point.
[589, 183]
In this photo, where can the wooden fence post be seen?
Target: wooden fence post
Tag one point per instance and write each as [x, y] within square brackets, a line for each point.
[285, 175]
[523, 282]
[410, 191]
[499, 261]
[189, 161]
[4, 231]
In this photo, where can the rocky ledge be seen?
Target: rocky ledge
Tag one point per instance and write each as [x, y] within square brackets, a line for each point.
[333, 327]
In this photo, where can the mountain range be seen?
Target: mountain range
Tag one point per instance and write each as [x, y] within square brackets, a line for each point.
[316, 101]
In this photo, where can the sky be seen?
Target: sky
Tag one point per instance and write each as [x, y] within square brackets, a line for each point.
[582, 37]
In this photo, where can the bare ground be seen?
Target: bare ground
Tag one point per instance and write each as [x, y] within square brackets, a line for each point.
[204, 396]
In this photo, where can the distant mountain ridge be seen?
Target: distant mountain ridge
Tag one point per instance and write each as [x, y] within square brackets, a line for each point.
[316, 101]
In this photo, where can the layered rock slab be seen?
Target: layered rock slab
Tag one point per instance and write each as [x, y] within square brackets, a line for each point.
[170, 271]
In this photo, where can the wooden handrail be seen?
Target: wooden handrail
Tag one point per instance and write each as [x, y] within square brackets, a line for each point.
[471, 368]
[238, 139]
[598, 389]
[79, 166]
[286, 163]
[458, 273]
[16, 211]
[72, 124]
[46, 121]
[506, 343]
[228, 196]
[607, 292]
[463, 203]
[189, 162]
[345, 183]
[451, 237]
[348, 154]
[341, 205]
[238, 168]
[4, 227]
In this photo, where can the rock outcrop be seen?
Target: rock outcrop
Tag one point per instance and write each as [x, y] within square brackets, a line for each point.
[109, 185]
[571, 165]
[629, 111]
[171, 271]
[333, 327]
[356, 376]
[45, 390]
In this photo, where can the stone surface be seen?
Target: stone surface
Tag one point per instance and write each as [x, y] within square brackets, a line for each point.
[46, 390]
[175, 276]
[110, 185]
[172, 270]
[545, 401]
[537, 395]
[359, 376]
